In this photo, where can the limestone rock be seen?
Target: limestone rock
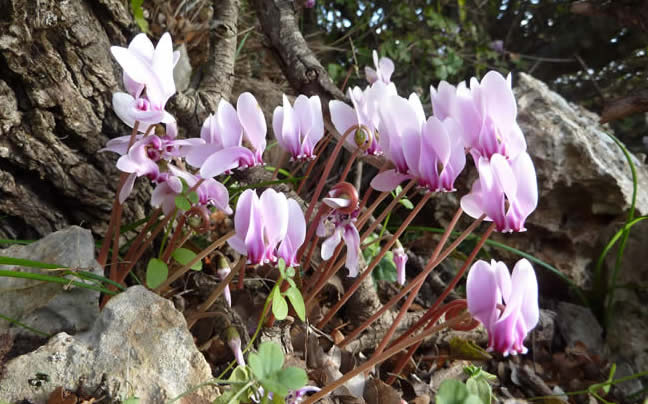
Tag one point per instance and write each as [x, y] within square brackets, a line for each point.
[584, 182]
[51, 307]
[139, 345]
[578, 324]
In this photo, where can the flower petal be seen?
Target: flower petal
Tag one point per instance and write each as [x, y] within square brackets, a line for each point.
[388, 180]
[352, 240]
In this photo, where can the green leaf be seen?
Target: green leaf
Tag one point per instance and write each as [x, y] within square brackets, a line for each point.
[297, 301]
[27, 263]
[131, 400]
[182, 203]
[267, 361]
[156, 273]
[138, 15]
[464, 349]
[282, 268]
[386, 269]
[279, 305]
[406, 203]
[184, 256]
[193, 197]
[480, 388]
[291, 282]
[292, 378]
[451, 392]
[239, 374]
[454, 392]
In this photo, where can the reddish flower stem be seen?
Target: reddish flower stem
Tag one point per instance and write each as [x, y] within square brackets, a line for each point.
[440, 300]
[385, 355]
[311, 165]
[384, 213]
[327, 171]
[115, 216]
[375, 261]
[325, 275]
[414, 293]
[412, 284]
[312, 227]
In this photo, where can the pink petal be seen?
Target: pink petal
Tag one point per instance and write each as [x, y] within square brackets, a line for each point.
[342, 116]
[481, 293]
[274, 208]
[337, 203]
[251, 118]
[197, 155]
[524, 281]
[226, 159]
[504, 176]
[329, 245]
[370, 75]
[503, 278]
[499, 100]
[127, 188]
[352, 240]
[230, 130]
[388, 180]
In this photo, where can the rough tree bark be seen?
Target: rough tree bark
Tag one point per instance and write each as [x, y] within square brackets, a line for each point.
[56, 81]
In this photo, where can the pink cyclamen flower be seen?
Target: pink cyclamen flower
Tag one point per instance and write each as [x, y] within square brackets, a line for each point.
[299, 129]
[210, 192]
[487, 113]
[384, 69]
[506, 192]
[268, 227]
[309, 3]
[223, 135]
[148, 68]
[506, 305]
[400, 260]
[363, 115]
[337, 226]
[431, 152]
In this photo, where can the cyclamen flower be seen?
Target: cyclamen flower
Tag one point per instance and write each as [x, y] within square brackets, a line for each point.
[337, 226]
[430, 152]
[148, 68]
[309, 3]
[363, 115]
[400, 260]
[268, 228]
[384, 69]
[299, 129]
[506, 192]
[223, 135]
[487, 113]
[210, 192]
[145, 67]
[142, 158]
[506, 305]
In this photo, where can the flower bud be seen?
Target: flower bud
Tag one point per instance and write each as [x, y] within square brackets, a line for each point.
[234, 342]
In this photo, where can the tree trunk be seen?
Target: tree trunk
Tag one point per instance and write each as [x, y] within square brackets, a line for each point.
[56, 83]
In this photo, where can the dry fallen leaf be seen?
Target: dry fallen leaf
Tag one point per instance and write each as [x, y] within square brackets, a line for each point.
[62, 396]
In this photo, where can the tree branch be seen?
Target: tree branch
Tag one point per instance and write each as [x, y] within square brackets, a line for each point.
[298, 63]
[193, 106]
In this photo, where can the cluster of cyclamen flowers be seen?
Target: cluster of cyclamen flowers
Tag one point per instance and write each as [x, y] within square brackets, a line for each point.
[479, 120]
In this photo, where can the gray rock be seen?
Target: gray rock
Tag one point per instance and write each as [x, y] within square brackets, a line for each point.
[583, 178]
[140, 345]
[578, 324]
[51, 307]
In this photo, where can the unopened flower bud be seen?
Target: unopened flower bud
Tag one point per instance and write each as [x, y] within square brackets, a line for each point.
[234, 342]
[400, 259]
[222, 272]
